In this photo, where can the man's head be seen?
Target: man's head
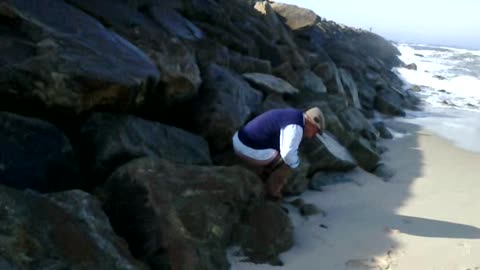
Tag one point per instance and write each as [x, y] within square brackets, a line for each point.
[314, 122]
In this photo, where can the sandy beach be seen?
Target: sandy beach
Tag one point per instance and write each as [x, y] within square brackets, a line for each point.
[425, 217]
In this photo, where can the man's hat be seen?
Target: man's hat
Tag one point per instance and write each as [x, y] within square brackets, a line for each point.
[316, 117]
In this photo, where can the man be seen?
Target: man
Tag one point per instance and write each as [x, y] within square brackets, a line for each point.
[271, 141]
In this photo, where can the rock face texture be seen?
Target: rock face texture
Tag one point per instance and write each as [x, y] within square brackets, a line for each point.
[116, 119]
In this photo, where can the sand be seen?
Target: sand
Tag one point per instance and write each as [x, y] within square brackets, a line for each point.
[426, 217]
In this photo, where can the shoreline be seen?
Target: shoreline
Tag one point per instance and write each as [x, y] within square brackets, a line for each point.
[425, 217]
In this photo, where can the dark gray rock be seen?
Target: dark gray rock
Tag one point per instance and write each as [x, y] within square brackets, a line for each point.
[354, 121]
[178, 215]
[411, 66]
[382, 129]
[325, 153]
[35, 154]
[65, 230]
[46, 59]
[364, 154]
[384, 172]
[226, 103]
[270, 83]
[390, 103]
[267, 232]
[111, 140]
[309, 210]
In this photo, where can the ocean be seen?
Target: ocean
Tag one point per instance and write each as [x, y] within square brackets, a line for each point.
[448, 82]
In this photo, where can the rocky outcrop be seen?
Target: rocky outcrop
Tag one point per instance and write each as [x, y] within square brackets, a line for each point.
[136, 102]
[183, 215]
[67, 230]
[109, 141]
[48, 61]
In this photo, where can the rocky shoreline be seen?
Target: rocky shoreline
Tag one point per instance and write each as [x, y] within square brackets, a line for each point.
[116, 119]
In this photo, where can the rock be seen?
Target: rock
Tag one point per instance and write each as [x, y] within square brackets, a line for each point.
[286, 72]
[416, 88]
[382, 149]
[411, 66]
[269, 83]
[354, 121]
[419, 55]
[267, 233]
[389, 103]
[443, 91]
[111, 140]
[179, 215]
[174, 23]
[226, 104]
[364, 154]
[35, 154]
[309, 210]
[66, 230]
[439, 77]
[272, 101]
[321, 179]
[350, 88]
[158, 29]
[325, 153]
[296, 18]
[248, 64]
[298, 202]
[383, 130]
[384, 172]
[313, 83]
[54, 65]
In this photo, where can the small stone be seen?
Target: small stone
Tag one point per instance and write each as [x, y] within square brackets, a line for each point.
[309, 210]
[384, 172]
[323, 226]
[276, 262]
[298, 203]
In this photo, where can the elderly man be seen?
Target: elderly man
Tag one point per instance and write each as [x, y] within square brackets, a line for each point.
[271, 141]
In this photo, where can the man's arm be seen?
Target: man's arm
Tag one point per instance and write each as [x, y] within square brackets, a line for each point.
[290, 138]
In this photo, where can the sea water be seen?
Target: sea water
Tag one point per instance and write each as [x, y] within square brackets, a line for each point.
[448, 82]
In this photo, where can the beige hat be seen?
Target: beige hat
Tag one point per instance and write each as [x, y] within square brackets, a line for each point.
[316, 117]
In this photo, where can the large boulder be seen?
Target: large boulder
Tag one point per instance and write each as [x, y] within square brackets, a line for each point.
[295, 17]
[65, 230]
[179, 215]
[111, 140]
[226, 103]
[159, 30]
[266, 232]
[270, 83]
[325, 153]
[390, 102]
[59, 57]
[364, 153]
[313, 83]
[354, 121]
[35, 154]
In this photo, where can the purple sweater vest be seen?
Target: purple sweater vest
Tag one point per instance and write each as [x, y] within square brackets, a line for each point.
[263, 132]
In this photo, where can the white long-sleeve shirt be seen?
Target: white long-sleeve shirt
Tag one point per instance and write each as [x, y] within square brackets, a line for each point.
[290, 138]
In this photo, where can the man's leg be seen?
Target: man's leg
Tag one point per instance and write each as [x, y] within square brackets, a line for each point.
[277, 180]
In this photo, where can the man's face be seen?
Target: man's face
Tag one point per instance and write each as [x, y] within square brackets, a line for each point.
[310, 129]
